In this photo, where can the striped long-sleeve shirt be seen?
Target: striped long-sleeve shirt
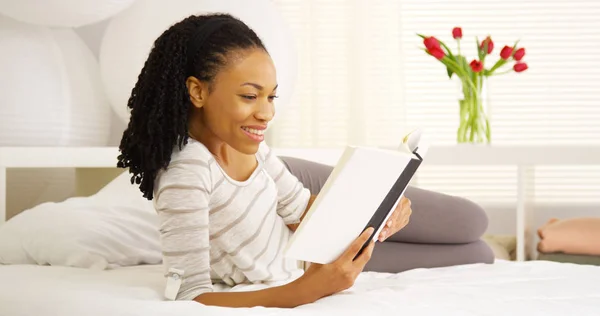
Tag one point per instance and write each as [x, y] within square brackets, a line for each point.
[216, 229]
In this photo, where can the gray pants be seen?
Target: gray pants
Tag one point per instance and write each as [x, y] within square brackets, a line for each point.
[444, 230]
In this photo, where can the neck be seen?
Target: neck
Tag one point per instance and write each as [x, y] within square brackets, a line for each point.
[218, 148]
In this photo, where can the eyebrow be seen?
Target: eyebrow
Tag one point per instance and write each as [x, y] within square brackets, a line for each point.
[257, 86]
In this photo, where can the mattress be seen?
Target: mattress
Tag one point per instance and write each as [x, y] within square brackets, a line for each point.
[522, 288]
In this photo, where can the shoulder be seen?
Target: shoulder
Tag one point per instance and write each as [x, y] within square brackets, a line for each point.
[192, 152]
[264, 152]
[190, 166]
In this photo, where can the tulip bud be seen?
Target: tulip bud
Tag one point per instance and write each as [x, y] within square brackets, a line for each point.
[520, 67]
[431, 42]
[490, 45]
[506, 52]
[437, 52]
[519, 53]
[457, 33]
[476, 65]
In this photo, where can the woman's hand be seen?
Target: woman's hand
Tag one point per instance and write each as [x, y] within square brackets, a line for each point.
[328, 279]
[398, 220]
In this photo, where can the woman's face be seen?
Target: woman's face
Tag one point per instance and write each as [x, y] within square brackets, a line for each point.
[239, 105]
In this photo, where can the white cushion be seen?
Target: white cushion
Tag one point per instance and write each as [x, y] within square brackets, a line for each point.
[115, 227]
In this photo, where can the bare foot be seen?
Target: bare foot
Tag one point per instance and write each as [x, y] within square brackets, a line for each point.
[540, 230]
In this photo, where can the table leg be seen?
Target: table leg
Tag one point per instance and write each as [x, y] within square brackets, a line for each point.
[3, 201]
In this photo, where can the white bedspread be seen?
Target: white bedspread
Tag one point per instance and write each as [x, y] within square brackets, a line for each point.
[529, 288]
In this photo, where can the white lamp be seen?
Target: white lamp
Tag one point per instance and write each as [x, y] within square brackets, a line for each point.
[62, 13]
[51, 89]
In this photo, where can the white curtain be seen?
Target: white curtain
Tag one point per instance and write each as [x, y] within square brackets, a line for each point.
[349, 74]
[363, 79]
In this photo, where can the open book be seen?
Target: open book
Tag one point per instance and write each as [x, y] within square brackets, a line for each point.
[362, 191]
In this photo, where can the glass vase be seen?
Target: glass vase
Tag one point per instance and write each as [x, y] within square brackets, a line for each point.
[474, 124]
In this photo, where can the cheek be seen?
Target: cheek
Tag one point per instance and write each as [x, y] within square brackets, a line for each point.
[240, 112]
[227, 113]
[236, 109]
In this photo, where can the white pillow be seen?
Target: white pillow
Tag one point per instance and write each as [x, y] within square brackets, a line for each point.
[114, 228]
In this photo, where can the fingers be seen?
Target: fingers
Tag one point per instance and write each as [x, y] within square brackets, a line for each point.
[386, 230]
[383, 235]
[406, 203]
[407, 208]
[365, 256]
[354, 248]
[403, 223]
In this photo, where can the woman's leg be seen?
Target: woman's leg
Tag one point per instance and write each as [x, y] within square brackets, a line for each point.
[395, 257]
[441, 219]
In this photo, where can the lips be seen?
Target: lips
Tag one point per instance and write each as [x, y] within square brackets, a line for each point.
[255, 131]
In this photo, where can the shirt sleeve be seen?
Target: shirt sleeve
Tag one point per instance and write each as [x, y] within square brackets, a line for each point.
[292, 196]
[182, 202]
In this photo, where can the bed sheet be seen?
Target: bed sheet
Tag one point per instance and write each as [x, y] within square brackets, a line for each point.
[521, 288]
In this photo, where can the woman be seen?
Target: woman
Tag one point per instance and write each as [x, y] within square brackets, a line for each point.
[227, 205]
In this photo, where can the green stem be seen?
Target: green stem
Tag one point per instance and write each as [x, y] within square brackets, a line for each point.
[474, 124]
[501, 73]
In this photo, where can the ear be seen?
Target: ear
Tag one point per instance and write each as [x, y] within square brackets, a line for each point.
[197, 90]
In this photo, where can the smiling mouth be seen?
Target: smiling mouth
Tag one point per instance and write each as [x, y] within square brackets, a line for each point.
[256, 135]
[257, 132]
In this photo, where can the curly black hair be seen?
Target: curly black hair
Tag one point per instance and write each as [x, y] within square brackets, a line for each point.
[160, 104]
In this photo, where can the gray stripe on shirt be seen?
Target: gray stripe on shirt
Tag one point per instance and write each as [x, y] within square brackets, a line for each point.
[184, 252]
[243, 216]
[218, 184]
[224, 205]
[181, 187]
[189, 162]
[247, 241]
[181, 229]
[253, 265]
[283, 232]
[280, 174]
[181, 210]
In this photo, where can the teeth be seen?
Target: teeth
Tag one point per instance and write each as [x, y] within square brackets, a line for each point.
[254, 131]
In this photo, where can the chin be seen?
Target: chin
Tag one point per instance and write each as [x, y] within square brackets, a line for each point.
[248, 143]
[247, 148]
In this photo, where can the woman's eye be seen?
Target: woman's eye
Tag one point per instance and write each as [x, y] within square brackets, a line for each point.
[254, 97]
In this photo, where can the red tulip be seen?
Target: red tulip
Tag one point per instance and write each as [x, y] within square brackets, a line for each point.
[520, 67]
[437, 52]
[431, 42]
[476, 65]
[519, 53]
[490, 44]
[506, 52]
[457, 33]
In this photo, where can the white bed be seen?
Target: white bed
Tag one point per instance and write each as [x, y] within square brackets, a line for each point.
[82, 257]
[522, 288]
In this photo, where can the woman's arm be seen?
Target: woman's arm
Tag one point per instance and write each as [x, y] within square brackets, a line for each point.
[290, 295]
[293, 227]
[317, 282]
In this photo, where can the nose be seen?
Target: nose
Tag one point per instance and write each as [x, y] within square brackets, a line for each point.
[265, 112]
